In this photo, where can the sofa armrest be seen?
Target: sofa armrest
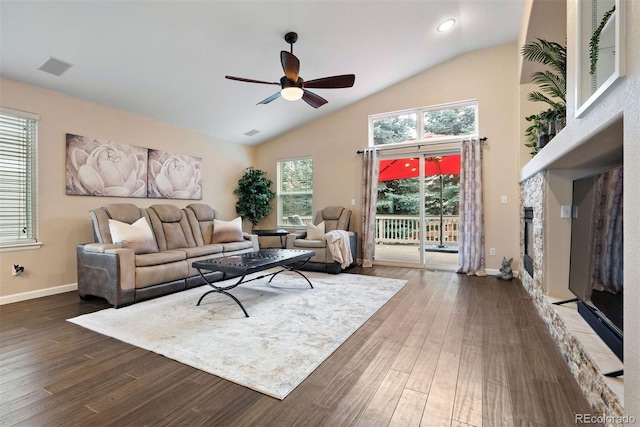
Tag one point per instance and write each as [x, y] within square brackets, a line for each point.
[291, 237]
[109, 274]
[101, 247]
[253, 238]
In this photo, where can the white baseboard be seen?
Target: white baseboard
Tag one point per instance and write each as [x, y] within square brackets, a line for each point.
[8, 299]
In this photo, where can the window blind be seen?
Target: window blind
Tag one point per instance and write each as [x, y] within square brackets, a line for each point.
[18, 137]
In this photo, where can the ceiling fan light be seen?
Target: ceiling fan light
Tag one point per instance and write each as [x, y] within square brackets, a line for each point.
[446, 25]
[291, 93]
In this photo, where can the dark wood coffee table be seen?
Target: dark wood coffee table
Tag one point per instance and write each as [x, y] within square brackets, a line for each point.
[253, 262]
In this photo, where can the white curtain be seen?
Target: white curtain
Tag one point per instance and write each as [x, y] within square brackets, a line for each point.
[370, 171]
[471, 246]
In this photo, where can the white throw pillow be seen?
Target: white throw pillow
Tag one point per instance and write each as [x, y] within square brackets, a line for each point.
[137, 236]
[315, 232]
[227, 231]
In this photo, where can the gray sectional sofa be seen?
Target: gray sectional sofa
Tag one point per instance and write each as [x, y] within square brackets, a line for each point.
[124, 274]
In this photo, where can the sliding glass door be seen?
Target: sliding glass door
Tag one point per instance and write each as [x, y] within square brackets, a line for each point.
[417, 212]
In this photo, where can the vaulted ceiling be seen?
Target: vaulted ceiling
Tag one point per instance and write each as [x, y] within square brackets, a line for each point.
[167, 59]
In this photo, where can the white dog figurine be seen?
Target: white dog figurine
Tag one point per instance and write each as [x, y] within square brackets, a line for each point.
[505, 271]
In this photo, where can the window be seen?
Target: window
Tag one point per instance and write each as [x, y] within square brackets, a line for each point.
[438, 123]
[295, 192]
[18, 139]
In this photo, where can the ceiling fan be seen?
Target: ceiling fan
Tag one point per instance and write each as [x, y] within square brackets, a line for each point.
[291, 84]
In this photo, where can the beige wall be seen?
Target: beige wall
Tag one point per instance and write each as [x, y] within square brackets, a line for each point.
[490, 76]
[64, 220]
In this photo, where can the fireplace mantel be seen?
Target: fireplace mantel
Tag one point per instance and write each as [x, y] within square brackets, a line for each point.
[572, 148]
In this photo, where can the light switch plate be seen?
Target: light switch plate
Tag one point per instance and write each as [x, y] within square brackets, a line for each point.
[565, 211]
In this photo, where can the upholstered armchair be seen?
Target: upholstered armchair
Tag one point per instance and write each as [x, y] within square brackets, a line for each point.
[334, 218]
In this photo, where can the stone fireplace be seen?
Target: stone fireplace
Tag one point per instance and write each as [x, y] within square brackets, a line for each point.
[542, 193]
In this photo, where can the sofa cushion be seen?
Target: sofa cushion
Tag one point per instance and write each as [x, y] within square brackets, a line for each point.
[203, 212]
[201, 218]
[162, 273]
[199, 251]
[124, 212]
[137, 236]
[315, 232]
[168, 213]
[171, 227]
[227, 231]
[163, 257]
[310, 243]
[237, 246]
[332, 212]
[334, 217]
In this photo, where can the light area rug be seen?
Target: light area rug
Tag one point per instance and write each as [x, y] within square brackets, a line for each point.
[291, 330]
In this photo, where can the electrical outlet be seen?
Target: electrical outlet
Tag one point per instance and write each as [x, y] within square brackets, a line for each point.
[565, 211]
[492, 251]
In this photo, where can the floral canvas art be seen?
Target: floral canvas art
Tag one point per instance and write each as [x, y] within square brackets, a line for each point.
[174, 176]
[97, 167]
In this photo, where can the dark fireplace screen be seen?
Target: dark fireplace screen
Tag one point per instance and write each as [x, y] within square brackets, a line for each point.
[528, 240]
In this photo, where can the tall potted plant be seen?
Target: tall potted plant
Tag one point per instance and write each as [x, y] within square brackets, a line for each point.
[254, 195]
[553, 81]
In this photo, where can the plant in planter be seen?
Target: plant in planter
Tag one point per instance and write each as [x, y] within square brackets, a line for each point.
[552, 82]
[254, 195]
[536, 134]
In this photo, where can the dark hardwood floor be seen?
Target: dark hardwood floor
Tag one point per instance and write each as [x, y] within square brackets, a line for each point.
[447, 350]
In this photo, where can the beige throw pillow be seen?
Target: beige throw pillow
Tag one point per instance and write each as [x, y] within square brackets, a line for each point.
[227, 231]
[137, 236]
[315, 232]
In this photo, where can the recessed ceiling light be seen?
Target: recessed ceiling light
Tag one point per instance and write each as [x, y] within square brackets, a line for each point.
[446, 25]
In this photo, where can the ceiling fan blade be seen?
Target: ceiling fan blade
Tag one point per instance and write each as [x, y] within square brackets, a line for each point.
[242, 79]
[269, 99]
[312, 99]
[290, 65]
[333, 82]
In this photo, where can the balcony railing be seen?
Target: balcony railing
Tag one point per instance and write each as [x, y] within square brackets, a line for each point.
[405, 229]
[401, 229]
[291, 221]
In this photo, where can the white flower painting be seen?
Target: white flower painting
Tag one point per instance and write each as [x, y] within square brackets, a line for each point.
[98, 167]
[174, 176]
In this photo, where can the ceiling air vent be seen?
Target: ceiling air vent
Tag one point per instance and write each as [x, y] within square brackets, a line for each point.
[252, 132]
[54, 66]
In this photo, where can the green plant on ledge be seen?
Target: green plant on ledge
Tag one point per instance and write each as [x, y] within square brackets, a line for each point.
[553, 90]
[254, 195]
[595, 41]
[541, 130]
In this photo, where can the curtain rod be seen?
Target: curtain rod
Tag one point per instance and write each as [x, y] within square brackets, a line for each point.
[484, 138]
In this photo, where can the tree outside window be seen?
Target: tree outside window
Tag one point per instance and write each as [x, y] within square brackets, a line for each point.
[295, 191]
